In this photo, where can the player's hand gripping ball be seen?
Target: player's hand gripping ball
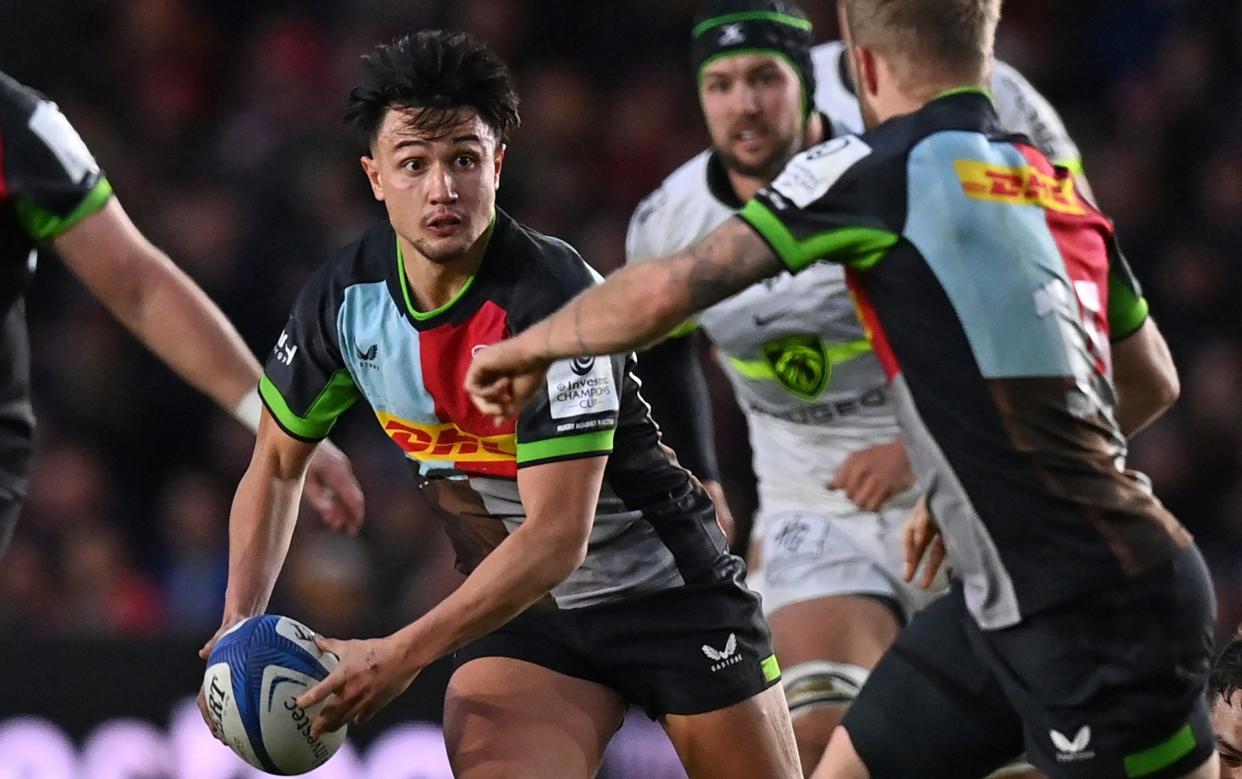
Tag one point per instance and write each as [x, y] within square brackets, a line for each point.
[255, 674]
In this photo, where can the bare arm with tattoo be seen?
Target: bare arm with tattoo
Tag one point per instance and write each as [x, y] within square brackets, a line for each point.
[637, 305]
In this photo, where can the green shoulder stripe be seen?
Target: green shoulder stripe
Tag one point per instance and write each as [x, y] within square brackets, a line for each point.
[597, 442]
[334, 399]
[42, 225]
[858, 247]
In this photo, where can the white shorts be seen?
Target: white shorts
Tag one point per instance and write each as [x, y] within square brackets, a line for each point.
[842, 550]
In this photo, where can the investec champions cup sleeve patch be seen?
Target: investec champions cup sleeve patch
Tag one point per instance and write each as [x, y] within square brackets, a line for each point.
[582, 386]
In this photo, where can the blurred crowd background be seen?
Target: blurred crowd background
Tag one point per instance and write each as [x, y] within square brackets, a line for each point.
[218, 123]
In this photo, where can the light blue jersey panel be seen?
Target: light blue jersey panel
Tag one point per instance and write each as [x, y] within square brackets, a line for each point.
[973, 247]
[382, 351]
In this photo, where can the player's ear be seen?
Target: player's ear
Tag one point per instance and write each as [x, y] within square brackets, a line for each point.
[866, 70]
[500, 161]
[372, 169]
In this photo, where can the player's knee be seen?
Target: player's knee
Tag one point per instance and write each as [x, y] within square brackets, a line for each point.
[819, 684]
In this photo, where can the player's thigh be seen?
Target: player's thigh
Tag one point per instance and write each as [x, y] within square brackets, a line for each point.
[931, 707]
[851, 629]
[748, 739]
[510, 719]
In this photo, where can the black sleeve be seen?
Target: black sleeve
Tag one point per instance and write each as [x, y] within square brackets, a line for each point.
[673, 385]
[47, 169]
[306, 385]
[837, 201]
[574, 413]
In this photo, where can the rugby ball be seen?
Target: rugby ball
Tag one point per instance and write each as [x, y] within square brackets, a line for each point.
[255, 674]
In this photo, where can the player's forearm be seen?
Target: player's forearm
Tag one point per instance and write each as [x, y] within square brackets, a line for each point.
[521, 570]
[176, 320]
[637, 305]
[1145, 378]
[160, 305]
[262, 519]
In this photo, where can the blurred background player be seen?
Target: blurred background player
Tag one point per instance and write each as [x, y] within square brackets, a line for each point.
[1226, 707]
[991, 290]
[54, 195]
[597, 574]
[834, 481]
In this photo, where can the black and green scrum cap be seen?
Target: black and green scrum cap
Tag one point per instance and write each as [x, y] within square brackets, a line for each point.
[727, 27]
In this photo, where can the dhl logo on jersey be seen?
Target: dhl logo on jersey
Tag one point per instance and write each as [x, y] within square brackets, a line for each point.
[1018, 186]
[447, 442]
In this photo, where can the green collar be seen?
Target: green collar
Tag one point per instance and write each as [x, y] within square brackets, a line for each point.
[964, 91]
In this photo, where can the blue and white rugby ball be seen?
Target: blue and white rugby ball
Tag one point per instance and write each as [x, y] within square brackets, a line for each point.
[255, 674]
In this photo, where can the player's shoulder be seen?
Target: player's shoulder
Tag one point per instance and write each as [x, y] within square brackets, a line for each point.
[370, 258]
[16, 99]
[871, 171]
[692, 200]
[826, 57]
[539, 265]
[685, 185]
[1024, 110]
[834, 95]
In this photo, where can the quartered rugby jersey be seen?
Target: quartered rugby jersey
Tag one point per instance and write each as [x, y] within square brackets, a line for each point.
[792, 347]
[48, 183]
[990, 288]
[354, 333]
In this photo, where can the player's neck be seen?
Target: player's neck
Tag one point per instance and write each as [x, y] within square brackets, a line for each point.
[434, 284]
[746, 187]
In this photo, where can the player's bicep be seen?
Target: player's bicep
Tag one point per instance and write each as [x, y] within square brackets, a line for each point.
[277, 454]
[562, 496]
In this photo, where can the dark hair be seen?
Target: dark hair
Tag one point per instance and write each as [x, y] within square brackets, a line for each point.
[439, 72]
[1226, 675]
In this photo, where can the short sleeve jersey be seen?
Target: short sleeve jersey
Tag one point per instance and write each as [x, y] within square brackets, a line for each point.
[354, 333]
[48, 183]
[990, 289]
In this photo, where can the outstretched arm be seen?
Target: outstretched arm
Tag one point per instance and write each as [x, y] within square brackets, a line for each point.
[159, 304]
[637, 305]
[176, 320]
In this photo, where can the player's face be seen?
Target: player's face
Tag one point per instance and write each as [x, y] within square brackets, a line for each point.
[754, 111]
[439, 186]
[1227, 725]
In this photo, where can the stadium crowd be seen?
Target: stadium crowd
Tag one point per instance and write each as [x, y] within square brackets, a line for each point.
[219, 125]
